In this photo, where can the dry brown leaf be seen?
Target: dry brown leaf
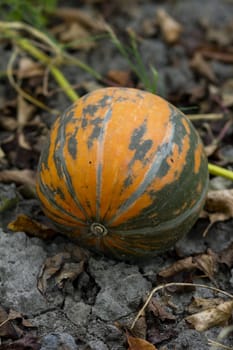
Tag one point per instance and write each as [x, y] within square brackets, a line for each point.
[24, 223]
[21, 177]
[24, 114]
[186, 264]
[7, 329]
[76, 36]
[59, 269]
[27, 342]
[170, 28]
[227, 93]
[226, 256]
[200, 65]
[207, 263]
[51, 266]
[119, 76]
[25, 111]
[92, 22]
[8, 123]
[139, 344]
[70, 271]
[212, 317]
[2, 153]
[201, 304]
[29, 68]
[218, 206]
[159, 311]
[140, 327]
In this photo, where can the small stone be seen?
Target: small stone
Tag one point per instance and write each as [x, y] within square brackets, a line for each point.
[58, 341]
[96, 345]
[77, 312]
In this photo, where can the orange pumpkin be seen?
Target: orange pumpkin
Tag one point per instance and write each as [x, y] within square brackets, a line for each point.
[123, 172]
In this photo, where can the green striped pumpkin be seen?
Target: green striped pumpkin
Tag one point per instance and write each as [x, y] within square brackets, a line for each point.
[123, 172]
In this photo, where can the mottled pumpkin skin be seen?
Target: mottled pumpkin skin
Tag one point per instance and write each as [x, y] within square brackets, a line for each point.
[123, 172]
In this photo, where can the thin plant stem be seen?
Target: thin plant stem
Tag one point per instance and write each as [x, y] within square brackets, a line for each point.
[156, 289]
[21, 91]
[57, 74]
[219, 171]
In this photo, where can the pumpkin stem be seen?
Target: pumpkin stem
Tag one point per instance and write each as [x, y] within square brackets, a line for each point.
[98, 229]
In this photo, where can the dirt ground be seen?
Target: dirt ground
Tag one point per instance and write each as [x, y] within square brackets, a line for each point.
[54, 294]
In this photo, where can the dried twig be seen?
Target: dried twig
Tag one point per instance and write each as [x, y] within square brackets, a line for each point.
[156, 289]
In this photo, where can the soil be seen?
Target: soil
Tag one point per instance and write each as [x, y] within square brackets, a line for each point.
[94, 307]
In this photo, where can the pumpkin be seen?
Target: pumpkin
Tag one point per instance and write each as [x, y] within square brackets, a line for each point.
[123, 172]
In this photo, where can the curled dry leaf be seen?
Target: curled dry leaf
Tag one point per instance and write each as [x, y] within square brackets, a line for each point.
[200, 65]
[170, 28]
[226, 256]
[139, 344]
[140, 327]
[201, 304]
[51, 266]
[24, 223]
[186, 264]
[21, 177]
[60, 268]
[120, 77]
[28, 342]
[77, 28]
[24, 114]
[29, 68]
[7, 329]
[227, 93]
[211, 317]
[86, 20]
[207, 263]
[159, 311]
[70, 271]
[219, 206]
[75, 35]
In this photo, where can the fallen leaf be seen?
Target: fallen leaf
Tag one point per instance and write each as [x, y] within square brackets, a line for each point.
[24, 223]
[200, 65]
[29, 68]
[51, 266]
[226, 256]
[70, 271]
[120, 77]
[91, 22]
[227, 93]
[24, 114]
[218, 206]
[21, 177]
[170, 28]
[185, 264]
[211, 317]
[75, 36]
[7, 329]
[207, 263]
[28, 342]
[159, 311]
[59, 269]
[200, 304]
[139, 344]
[78, 27]
[140, 327]
[8, 123]
[148, 27]
[156, 335]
